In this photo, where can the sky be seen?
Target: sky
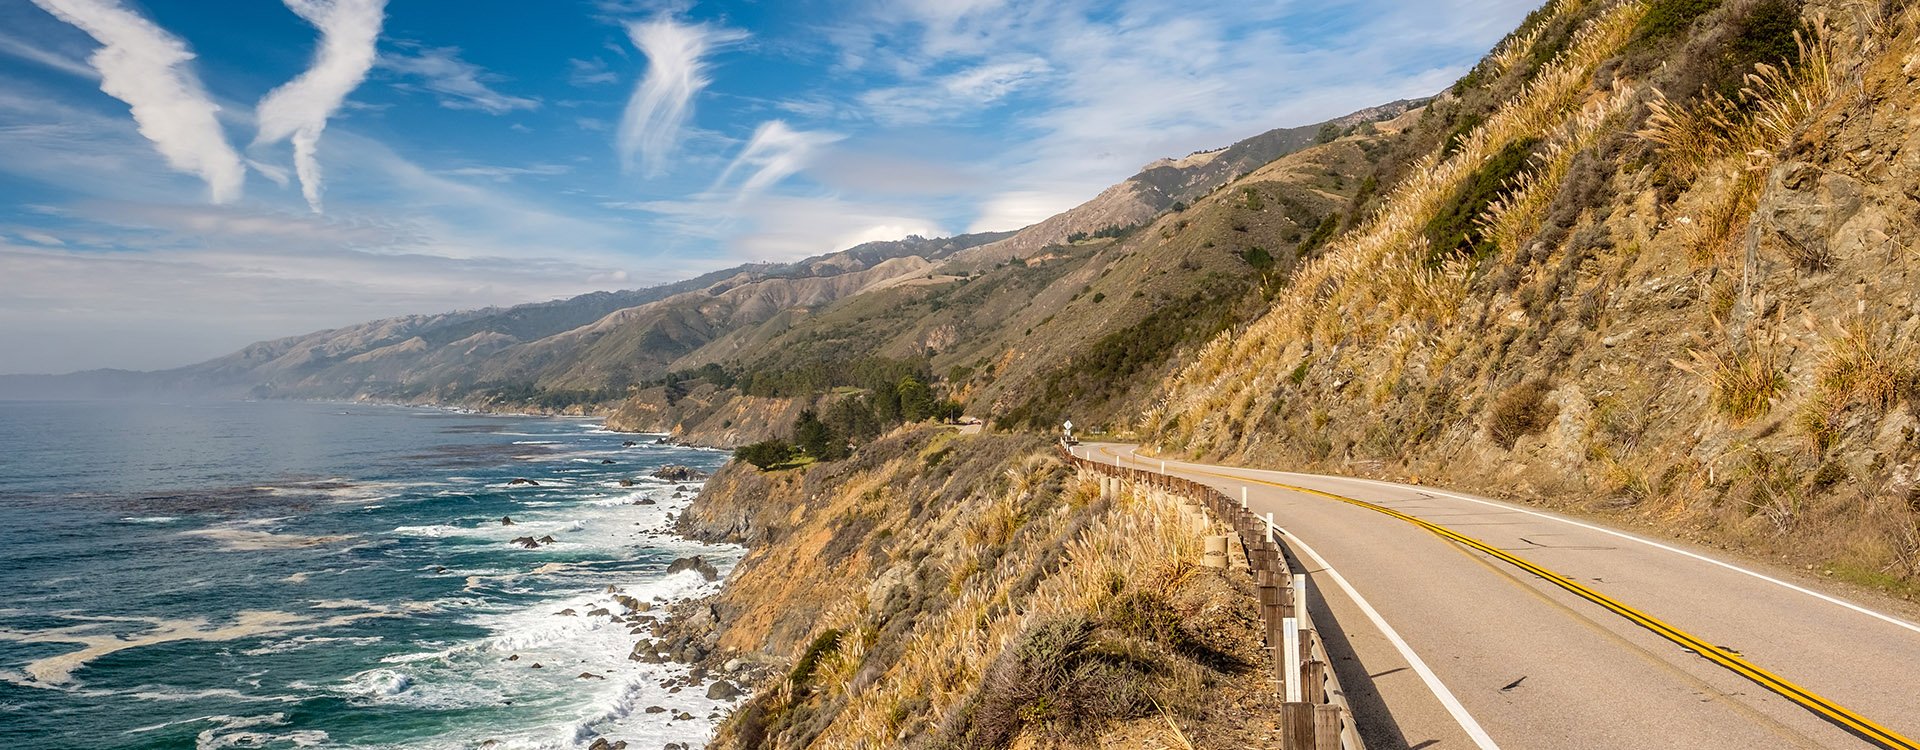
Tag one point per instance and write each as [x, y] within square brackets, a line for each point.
[179, 178]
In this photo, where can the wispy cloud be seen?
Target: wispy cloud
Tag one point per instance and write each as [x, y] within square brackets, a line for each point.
[506, 174]
[457, 83]
[775, 152]
[25, 50]
[590, 72]
[299, 109]
[967, 91]
[146, 67]
[663, 101]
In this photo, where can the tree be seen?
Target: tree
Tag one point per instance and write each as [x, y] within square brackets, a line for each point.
[916, 399]
[814, 438]
[765, 454]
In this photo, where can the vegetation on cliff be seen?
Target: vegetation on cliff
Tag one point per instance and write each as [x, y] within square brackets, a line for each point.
[938, 590]
[1689, 306]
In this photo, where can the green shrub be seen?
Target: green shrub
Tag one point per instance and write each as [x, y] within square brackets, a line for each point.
[1667, 18]
[1454, 229]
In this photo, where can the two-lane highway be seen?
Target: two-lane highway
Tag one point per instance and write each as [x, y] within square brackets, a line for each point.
[1445, 605]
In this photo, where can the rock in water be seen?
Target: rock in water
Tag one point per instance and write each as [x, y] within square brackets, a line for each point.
[722, 690]
[522, 480]
[626, 483]
[606, 461]
[628, 444]
[696, 562]
[506, 520]
[527, 542]
[548, 539]
[679, 473]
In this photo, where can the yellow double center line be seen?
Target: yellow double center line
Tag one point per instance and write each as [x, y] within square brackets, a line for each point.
[1859, 725]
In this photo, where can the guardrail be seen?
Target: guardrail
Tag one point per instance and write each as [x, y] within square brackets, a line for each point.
[1314, 714]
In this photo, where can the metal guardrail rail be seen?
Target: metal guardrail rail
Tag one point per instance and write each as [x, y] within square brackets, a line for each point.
[1314, 714]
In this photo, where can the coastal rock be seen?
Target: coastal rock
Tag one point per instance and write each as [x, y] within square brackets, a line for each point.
[644, 501]
[519, 481]
[566, 612]
[679, 473]
[683, 716]
[626, 483]
[527, 542]
[656, 709]
[590, 676]
[603, 744]
[606, 461]
[548, 539]
[628, 444]
[732, 665]
[506, 521]
[599, 612]
[722, 690]
[697, 563]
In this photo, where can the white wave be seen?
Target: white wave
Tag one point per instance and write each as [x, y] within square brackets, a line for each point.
[150, 519]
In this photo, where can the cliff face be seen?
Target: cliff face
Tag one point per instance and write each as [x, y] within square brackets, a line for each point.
[1690, 308]
[937, 590]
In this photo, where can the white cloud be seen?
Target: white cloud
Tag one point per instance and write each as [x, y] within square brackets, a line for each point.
[774, 153]
[25, 50]
[299, 109]
[506, 174]
[457, 83]
[663, 101]
[966, 92]
[590, 72]
[146, 67]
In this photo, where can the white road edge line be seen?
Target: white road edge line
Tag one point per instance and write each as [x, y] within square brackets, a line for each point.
[1440, 691]
[1890, 619]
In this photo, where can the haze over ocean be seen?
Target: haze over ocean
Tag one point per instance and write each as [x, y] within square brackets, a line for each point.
[281, 574]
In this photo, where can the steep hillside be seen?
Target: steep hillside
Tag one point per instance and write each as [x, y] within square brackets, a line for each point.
[1650, 259]
[936, 590]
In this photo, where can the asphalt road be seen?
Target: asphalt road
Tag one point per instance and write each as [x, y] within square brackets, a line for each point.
[1464, 649]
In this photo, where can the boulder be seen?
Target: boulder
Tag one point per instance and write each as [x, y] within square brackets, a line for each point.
[644, 501]
[506, 520]
[656, 709]
[679, 473]
[548, 539]
[696, 562]
[606, 461]
[599, 612]
[722, 690]
[523, 481]
[590, 676]
[568, 612]
[526, 541]
[626, 483]
[628, 444]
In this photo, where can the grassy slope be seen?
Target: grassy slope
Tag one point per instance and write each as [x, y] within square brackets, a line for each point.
[945, 591]
[1698, 328]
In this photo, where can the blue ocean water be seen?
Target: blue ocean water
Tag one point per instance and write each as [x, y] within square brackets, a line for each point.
[285, 574]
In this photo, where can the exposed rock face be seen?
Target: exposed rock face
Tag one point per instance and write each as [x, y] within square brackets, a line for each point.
[679, 473]
[722, 690]
[695, 563]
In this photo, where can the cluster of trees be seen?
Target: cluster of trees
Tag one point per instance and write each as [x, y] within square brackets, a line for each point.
[1114, 230]
[831, 434]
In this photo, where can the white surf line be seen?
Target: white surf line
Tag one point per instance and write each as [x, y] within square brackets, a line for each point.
[1440, 691]
[1890, 619]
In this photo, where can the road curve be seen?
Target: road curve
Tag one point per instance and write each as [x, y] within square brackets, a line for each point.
[1531, 663]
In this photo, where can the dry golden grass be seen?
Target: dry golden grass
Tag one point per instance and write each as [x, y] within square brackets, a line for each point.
[1141, 541]
[1376, 277]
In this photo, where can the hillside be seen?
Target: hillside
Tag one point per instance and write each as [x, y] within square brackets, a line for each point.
[1649, 260]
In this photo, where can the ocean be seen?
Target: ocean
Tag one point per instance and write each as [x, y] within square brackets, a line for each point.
[287, 574]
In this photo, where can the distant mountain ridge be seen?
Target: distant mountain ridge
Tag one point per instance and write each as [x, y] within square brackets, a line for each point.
[594, 346]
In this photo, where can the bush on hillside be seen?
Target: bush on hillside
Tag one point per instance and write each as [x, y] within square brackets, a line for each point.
[765, 454]
[1521, 410]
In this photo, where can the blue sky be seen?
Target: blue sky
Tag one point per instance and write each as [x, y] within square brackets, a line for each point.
[180, 177]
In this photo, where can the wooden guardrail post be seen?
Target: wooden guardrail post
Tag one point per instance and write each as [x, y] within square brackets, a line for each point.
[1296, 726]
[1326, 727]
